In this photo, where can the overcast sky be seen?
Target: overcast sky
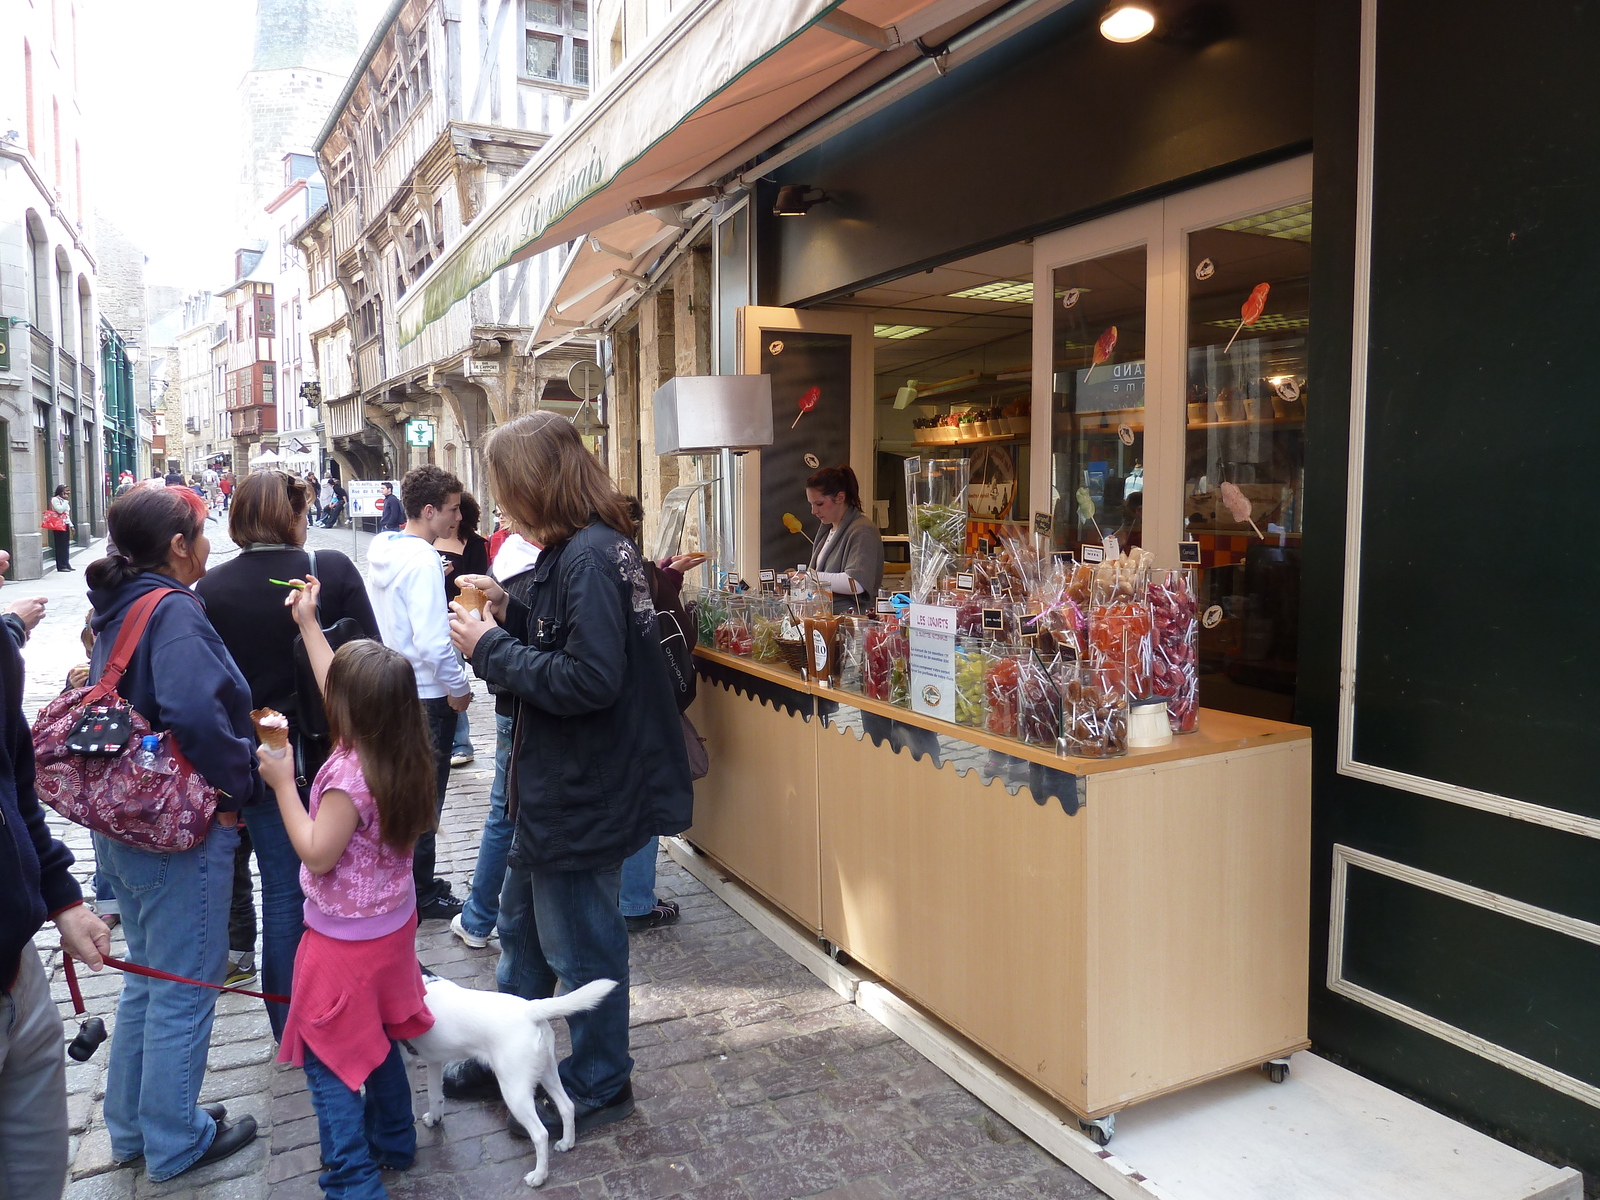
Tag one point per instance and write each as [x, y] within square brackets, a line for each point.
[159, 88]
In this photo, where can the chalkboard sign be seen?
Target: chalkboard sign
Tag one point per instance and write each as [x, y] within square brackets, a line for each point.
[799, 363]
[1481, 420]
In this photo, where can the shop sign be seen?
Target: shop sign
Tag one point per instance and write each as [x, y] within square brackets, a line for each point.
[481, 367]
[931, 631]
[5, 344]
[419, 432]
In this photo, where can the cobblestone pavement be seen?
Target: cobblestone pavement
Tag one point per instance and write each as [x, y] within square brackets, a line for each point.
[754, 1080]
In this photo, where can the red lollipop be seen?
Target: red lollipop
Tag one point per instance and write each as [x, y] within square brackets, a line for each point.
[808, 402]
[1250, 311]
[1103, 346]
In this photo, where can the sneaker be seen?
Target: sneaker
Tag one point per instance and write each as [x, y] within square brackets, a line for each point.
[240, 973]
[460, 760]
[444, 908]
[471, 939]
[663, 914]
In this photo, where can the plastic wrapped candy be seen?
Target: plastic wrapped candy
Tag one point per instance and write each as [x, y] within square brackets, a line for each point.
[1119, 622]
[1038, 703]
[852, 652]
[1094, 710]
[1174, 656]
[732, 635]
[1001, 700]
[767, 616]
[711, 608]
[972, 662]
[885, 669]
[936, 497]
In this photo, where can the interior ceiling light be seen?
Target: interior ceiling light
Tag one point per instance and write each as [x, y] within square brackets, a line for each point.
[796, 199]
[899, 333]
[1269, 321]
[1292, 224]
[1126, 23]
[1004, 291]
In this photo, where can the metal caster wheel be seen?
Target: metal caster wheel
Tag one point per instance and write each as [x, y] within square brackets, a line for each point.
[1100, 1130]
[1277, 1070]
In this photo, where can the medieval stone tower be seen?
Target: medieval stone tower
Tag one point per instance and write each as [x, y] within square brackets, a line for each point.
[303, 53]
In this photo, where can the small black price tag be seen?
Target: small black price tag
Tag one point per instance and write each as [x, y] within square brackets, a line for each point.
[1189, 554]
[1041, 522]
[994, 618]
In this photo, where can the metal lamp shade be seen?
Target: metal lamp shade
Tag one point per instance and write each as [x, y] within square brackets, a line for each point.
[698, 414]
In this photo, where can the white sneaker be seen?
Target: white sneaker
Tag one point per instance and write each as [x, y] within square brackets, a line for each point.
[471, 939]
[460, 760]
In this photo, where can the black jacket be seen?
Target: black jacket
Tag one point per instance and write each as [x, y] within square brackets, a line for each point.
[394, 514]
[34, 878]
[598, 756]
[181, 677]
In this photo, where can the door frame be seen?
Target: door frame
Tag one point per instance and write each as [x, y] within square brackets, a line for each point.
[752, 319]
[1163, 227]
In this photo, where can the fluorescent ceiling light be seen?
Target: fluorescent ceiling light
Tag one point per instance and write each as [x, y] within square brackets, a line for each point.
[1003, 291]
[1127, 23]
[899, 333]
[1292, 223]
[1268, 321]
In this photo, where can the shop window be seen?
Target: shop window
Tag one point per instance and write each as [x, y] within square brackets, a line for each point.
[580, 62]
[1098, 334]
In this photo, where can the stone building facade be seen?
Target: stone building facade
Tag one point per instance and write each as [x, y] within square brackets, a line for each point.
[51, 432]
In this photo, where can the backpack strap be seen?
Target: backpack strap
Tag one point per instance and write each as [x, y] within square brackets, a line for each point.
[133, 625]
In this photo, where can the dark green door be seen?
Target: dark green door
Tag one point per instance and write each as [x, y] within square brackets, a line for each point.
[1450, 574]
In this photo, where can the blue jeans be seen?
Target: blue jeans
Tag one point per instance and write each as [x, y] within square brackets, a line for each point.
[105, 896]
[639, 881]
[175, 917]
[282, 904]
[463, 742]
[558, 931]
[358, 1134]
[483, 903]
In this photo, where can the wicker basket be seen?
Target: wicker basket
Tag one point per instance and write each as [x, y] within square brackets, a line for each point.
[794, 654]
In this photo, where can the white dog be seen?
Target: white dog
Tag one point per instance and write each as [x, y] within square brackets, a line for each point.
[512, 1037]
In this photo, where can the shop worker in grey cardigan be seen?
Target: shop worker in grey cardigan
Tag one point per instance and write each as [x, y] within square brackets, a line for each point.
[848, 553]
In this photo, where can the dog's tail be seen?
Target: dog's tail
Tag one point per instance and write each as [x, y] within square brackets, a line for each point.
[581, 1000]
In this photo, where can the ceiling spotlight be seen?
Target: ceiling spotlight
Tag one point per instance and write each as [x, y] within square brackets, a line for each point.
[1126, 23]
[795, 199]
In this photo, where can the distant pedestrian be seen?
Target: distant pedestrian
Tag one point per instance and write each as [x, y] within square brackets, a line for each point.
[36, 885]
[406, 577]
[358, 990]
[209, 480]
[60, 519]
[394, 513]
[225, 486]
[341, 499]
[173, 477]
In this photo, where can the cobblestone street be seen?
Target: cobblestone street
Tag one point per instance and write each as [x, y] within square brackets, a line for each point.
[754, 1079]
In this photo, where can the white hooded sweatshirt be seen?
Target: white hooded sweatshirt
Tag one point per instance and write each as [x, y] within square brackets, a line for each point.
[406, 583]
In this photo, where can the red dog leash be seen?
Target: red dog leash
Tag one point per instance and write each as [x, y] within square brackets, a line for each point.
[151, 972]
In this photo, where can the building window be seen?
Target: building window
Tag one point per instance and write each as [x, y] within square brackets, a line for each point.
[64, 287]
[36, 271]
[27, 84]
[553, 52]
[266, 319]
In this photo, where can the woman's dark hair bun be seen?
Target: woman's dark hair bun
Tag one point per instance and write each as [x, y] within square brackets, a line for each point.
[830, 481]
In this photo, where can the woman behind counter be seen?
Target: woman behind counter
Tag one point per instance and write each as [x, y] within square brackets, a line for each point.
[848, 553]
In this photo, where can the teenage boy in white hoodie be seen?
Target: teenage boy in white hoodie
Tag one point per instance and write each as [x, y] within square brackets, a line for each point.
[406, 583]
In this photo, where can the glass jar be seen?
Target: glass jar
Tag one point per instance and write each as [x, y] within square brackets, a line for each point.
[1120, 627]
[1002, 678]
[767, 614]
[885, 663]
[711, 608]
[852, 652]
[1038, 702]
[732, 634]
[1173, 596]
[972, 664]
[1094, 704]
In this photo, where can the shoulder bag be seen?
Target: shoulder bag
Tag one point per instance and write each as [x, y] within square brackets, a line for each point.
[86, 756]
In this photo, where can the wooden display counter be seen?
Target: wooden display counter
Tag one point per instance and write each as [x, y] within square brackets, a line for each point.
[1112, 929]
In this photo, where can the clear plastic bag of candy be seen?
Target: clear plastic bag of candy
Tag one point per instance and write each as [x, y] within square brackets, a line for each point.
[732, 635]
[1119, 622]
[972, 662]
[885, 667]
[1172, 595]
[1094, 710]
[1002, 680]
[1038, 702]
[936, 499]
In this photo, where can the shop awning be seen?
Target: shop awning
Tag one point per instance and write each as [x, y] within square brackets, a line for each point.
[723, 72]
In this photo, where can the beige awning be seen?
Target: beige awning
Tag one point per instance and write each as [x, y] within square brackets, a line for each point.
[724, 71]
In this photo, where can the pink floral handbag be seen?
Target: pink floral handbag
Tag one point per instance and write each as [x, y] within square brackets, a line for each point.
[167, 808]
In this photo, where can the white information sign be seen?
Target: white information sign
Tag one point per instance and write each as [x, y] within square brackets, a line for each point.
[931, 629]
[366, 496]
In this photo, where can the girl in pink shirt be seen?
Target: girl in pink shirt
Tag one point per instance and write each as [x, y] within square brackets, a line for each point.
[357, 988]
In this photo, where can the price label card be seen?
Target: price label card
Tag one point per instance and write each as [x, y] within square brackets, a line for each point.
[885, 606]
[1042, 523]
[994, 618]
[768, 575]
[1112, 546]
[1090, 552]
[964, 581]
[1189, 554]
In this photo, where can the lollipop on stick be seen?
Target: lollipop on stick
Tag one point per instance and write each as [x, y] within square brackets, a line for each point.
[807, 402]
[1086, 510]
[1250, 311]
[1103, 346]
[1237, 503]
[792, 524]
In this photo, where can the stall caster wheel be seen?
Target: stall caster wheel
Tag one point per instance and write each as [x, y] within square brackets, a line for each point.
[1100, 1130]
[1277, 1069]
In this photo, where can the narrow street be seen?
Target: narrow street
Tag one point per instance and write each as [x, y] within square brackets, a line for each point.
[755, 1081]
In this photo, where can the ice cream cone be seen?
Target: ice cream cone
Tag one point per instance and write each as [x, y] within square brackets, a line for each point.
[473, 598]
[272, 728]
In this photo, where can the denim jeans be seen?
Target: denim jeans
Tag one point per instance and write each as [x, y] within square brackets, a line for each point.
[175, 917]
[283, 904]
[558, 931]
[105, 896]
[442, 731]
[463, 739]
[360, 1130]
[242, 911]
[639, 881]
[483, 903]
[33, 1086]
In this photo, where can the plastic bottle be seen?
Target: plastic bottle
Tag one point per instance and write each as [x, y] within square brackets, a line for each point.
[145, 756]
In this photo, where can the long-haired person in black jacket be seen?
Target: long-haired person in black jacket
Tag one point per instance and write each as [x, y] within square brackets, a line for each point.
[600, 765]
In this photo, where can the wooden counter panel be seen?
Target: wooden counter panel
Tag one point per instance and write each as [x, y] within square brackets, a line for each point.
[756, 811]
[1198, 919]
[964, 897]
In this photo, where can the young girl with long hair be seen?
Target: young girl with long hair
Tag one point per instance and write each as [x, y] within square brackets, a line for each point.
[357, 989]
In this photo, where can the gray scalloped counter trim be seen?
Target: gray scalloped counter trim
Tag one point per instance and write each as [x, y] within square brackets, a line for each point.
[795, 703]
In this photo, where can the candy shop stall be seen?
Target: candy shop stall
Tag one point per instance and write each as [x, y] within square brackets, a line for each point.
[995, 789]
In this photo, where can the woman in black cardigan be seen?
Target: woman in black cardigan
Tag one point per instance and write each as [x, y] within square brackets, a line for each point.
[267, 521]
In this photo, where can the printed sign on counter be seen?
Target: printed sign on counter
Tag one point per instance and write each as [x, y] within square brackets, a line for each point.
[931, 630]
